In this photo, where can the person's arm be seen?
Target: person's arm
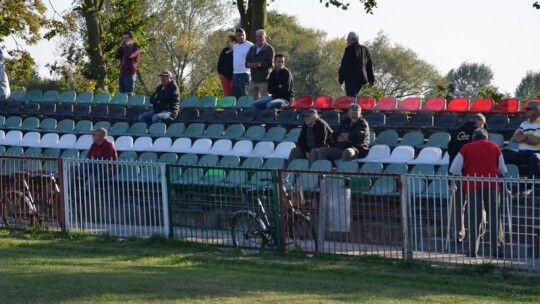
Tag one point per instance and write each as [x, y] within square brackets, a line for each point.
[119, 53]
[134, 50]
[250, 56]
[346, 64]
[457, 165]
[268, 60]
[502, 166]
[359, 133]
[170, 95]
[519, 136]
[532, 139]
[302, 142]
[369, 69]
[273, 84]
[221, 62]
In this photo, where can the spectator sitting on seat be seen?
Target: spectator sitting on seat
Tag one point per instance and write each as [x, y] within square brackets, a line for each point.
[165, 100]
[528, 138]
[350, 139]
[5, 90]
[280, 85]
[481, 158]
[102, 149]
[315, 133]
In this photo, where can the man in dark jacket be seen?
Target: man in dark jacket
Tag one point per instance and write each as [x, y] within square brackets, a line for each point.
[463, 135]
[128, 53]
[166, 101]
[280, 85]
[260, 59]
[356, 68]
[350, 139]
[315, 133]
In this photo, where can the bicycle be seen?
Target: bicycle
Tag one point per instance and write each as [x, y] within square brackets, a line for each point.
[253, 230]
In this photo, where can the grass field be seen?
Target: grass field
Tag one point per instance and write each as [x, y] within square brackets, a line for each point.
[41, 267]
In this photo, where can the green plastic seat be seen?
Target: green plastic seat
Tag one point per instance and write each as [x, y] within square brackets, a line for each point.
[234, 131]
[103, 124]
[298, 164]
[226, 102]
[384, 185]
[396, 168]
[423, 169]
[67, 96]
[512, 145]
[128, 174]
[84, 154]
[321, 165]
[175, 130]
[360, 184]
[13, 122]
[2, 150]
[29, 124]
[52, 152]
[208, 102]
[513, 171]
[260, 180]
[274, 134]
[138, 129]
[70, 154]
[497, 138]
[442, 170]
[229, 161]
[47, 125]
[389, 138]
[274, 163]
[413, 139]
[437, 189]
[85, 97]
[213, 131]
[129, 156]
[119, 128]
[194, 130]
[148, 157]
[254, 133]
[438, 139]
[33, 151]
[293, 135]
[252, 162]
[157, 129]
[168, 158]
[136, 100]
[119, 98]
[372, 168]
[51, 96]
[190, 102]
[236, 179]
[15, 150]
[188, 159]
[190, 176]
[244, 102]
[102, 97]
[416, 187]
[65, 126]
[17, 95]
[34, 96]
[83, 127]
[2, 120]
[347, 166]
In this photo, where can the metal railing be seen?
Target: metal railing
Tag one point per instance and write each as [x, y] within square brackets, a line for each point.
[116, 198]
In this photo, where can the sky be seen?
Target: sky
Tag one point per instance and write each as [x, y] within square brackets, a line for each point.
[504, 34]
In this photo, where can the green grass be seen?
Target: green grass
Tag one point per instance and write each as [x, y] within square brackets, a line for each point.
[41, 267]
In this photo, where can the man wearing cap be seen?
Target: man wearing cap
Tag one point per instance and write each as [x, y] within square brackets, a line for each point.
[528, 138]
[259, 60]
[101, 148]
[315, 133]
[481, 158]
[350, 139]
[356, 68]
[128, 53]
[165, 100]
[463, 134]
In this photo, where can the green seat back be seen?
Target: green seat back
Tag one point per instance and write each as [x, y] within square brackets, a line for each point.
[85, 97]
[226, 102]
[102, 97]
[209, 102]
[68, 96]
[34, 95]
[175, 130]
[244, 102]
[413, 139]
[119, 128]
[138, 129]
[18, 95]
[136, 100]
[51, 96]
[157, 129]
[119, 98]
[190, 102]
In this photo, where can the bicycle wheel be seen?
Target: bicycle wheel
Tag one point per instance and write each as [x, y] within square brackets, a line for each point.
[304, 235]
[248, 231]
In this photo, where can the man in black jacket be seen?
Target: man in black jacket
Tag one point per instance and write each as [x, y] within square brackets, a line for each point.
[260, 59]
[356, 68]
[463, 135]
[315, 133]
[166, 101]
[280, 85]
[350, 139]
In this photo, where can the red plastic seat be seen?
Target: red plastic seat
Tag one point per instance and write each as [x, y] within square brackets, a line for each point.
[386, 103]
[302, 102]
[323, 102]
[343, 102]
[509, 105]
[458, 105]
[482, 105]
[410, 104]
[366, 102]
[435, 104]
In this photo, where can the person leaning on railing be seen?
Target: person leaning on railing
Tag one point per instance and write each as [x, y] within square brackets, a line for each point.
[481, 158]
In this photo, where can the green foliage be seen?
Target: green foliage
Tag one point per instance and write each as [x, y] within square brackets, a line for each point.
[493, 93]
[469, 79]
[19, 66]
[372, 91]
[529, 87]
[210, 86]
[23, 18]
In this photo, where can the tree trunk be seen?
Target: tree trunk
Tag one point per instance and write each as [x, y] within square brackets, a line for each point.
[258, 17]
[95, 52]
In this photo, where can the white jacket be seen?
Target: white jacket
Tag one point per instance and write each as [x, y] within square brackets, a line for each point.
[5, 91]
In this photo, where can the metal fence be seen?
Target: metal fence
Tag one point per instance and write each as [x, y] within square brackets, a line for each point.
[29, 192]
[116, 198]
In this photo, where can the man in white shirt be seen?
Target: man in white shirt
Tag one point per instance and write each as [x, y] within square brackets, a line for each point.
[240, 72]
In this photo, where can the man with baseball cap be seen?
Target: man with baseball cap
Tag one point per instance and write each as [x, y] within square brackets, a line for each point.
[463, 135]
[166, 101]
[315, 133]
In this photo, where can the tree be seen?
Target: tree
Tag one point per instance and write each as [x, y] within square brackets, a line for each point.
[399, 72]
[469, 79]
[529, 87]
[253, 13]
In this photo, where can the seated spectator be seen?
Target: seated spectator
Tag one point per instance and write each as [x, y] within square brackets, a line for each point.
[315, 133]
[102, 149]
[350, 139]
[165, 100]
[528, 138]
[280, 85]
[5, 90]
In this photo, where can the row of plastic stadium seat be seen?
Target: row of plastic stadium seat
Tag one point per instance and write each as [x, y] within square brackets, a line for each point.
[53, 96]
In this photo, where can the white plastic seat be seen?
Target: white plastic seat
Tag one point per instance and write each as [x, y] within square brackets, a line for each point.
[428, 155]
[181, 145]
[162, 144]
[84, 142]
[400, 154]
[124, 143]
[283, 150]
[201, 146]
[444, 161]
[30, 139]
[12, 138]
[262, 149]
[241, 148]
[67, 141]
[376, 154]
[142, 144]
[49, 140]
[221, 147]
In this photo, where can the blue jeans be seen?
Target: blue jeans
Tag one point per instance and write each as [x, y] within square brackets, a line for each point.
[239, 83]
[352, 88]
[265, 103]
[151, 117]
[126, 83]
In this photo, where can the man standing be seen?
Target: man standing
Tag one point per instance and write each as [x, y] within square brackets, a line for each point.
[240, 71]
[260, 60]
[350, 139]
[528, 138]
[280, 85]
[5, 90]
[356, 68]
[128, 54]
[315, 133]
[481, 158]
[165, 100]
[463, 135]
